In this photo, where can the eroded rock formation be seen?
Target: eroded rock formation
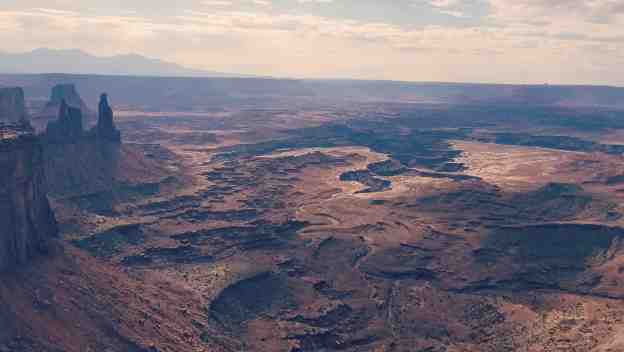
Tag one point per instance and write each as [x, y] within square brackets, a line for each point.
[64, 93]
[68, 94]
[12, 107]
[78, 161]
[106, 126]
[26, 221]
[68, 127]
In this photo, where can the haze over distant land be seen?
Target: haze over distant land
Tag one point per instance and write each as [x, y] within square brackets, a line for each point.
[488, 41]
[75, 61]
[210, 93]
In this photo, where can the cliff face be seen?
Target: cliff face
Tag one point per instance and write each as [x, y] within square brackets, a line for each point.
[68, 127]
[106, 126]
[65, 94]
[92, 168]
[26, 221]
[68, 94]
[12, 107]
[81, 166]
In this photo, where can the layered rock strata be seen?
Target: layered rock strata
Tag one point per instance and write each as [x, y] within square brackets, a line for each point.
[27, 222]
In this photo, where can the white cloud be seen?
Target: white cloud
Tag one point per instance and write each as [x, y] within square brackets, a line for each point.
[444, 3]
[520, 41]
[217, 3]
[447, 7]
[315, 1]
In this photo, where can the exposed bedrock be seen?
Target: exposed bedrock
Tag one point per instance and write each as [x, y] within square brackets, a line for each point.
[106, 127]
[49, 112]
[68, 127]
[69, 94]
[12, 107]
[80, 162]
[83, 167]
[26, 220]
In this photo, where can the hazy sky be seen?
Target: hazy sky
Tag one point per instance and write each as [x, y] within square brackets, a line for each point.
[537, 41]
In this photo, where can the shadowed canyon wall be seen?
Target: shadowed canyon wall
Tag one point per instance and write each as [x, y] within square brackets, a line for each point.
[27, 222]
[12, 106]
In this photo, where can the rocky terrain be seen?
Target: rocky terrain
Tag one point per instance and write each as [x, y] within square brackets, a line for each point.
[12, 106]
[27, 222]
[52, 296]
[346, 227]
[92, 165]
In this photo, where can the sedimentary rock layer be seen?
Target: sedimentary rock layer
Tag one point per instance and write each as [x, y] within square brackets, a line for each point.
[12, 107]
[26, 220]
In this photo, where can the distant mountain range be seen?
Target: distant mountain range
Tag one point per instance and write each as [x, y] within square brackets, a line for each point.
[75, 61]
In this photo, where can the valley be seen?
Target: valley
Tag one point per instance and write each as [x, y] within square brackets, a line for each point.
[338, 227]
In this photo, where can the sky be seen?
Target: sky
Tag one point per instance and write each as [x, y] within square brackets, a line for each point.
[501, 41]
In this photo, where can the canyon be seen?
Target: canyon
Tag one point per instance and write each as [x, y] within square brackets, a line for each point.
[314, 225]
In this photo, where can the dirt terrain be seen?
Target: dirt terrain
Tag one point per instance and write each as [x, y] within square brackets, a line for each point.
[344, 230]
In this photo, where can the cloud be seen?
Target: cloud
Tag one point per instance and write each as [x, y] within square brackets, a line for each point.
[566, 20]
[444, 3]
[521, 40]
[580, 11]
[217, 3]
[315, 1]
[448, 7]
